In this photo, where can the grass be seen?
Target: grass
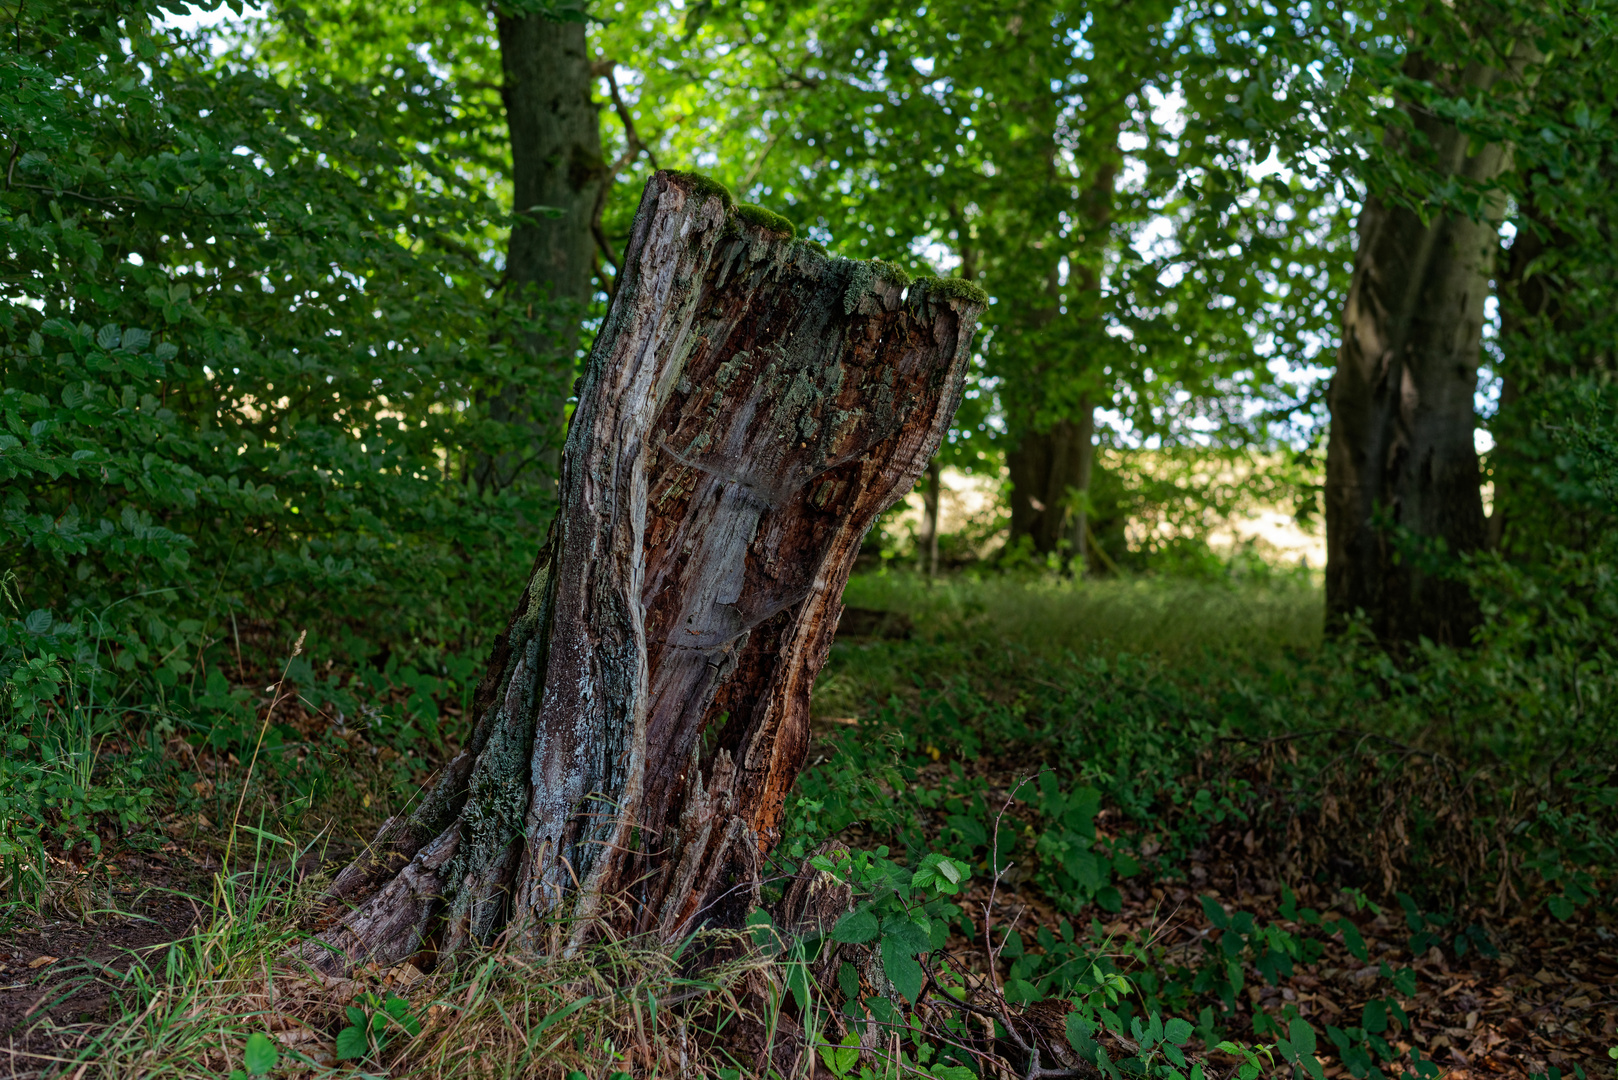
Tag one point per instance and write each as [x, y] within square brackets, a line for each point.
[995, 624]
[1052, 616]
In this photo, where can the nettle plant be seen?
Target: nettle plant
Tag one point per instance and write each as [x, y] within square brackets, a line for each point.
[903, 913]
[904, 918]
[1071, 870]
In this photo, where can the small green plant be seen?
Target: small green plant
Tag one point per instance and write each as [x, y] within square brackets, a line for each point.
[372, 1023]
[905, 913]
[1071, 869]
[260, 1057]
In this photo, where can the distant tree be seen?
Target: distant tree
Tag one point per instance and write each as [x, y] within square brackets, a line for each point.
[556, 179]
[1045, 159]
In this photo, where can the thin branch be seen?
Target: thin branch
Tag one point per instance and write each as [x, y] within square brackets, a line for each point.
[758, 164]
[628, 122]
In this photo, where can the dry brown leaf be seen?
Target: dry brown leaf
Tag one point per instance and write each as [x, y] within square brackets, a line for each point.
[41, 961]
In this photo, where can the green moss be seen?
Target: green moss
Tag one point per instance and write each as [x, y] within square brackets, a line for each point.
[955, 289]
[767, 220]
[814, 245]
[862, 280]
[892, 271]
[703, 186]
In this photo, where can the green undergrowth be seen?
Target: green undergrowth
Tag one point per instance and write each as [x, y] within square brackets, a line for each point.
[1076, 741]
[1101, 733]
[1187, 705]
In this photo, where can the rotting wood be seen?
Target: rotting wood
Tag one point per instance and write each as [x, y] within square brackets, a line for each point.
[750, 407]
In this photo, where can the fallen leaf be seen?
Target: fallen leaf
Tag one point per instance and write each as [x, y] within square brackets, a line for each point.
[41, 961]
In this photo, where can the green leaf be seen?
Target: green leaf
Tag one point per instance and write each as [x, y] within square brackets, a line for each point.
[899, 964]
[840, 1059]
[1177, 1031]
[855, 928]
[1081, 1036]
[261, 1056]
[352, 1043]
[910, 932]
[565, 1011]
[1353, 940]
[1021, 992]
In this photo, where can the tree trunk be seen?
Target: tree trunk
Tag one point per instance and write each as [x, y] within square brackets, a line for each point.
[1401, 454]
[927, 549]
[750, 407]
[1046, 469]
[556, 173]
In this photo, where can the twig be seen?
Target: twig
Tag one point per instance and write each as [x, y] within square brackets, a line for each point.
[623, 115]
[758, 164]
[993, 953]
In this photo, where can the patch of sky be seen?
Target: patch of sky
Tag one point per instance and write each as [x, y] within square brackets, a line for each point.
[218, 23]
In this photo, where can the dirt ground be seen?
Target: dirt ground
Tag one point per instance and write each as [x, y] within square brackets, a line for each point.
[53, 972]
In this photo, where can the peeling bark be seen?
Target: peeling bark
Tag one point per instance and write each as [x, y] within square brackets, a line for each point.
[749, 409]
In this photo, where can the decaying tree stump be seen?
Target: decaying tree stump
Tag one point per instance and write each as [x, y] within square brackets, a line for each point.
[749, 409]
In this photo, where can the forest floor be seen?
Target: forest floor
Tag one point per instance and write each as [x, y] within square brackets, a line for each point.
[1548, 999]
[1541, 1000]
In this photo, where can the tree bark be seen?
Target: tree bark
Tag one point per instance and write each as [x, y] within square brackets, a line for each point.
[1401, 455]
[750, 407]
[1046, 469]
[557, 173]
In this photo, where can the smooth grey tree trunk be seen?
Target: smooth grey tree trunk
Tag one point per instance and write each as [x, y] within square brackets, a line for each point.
[749, 408]
[1401, 456]
[557, 173]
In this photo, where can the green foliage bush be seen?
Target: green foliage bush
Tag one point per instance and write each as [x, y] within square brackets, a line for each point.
[250, 335]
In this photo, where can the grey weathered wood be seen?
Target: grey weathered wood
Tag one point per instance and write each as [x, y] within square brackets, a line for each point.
[749, 409]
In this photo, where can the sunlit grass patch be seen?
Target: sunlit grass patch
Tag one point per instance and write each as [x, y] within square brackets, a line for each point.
[1050, 615]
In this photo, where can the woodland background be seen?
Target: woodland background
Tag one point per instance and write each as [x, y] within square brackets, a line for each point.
[294, 306]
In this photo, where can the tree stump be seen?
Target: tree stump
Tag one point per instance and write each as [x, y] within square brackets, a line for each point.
[750, 407]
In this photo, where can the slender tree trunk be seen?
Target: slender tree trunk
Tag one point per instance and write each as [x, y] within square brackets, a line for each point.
[750, 407]
[1047, 467]
[1080, 517]
[557, 173]
[927, 550]
[1401, 454]
[1523, 297]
